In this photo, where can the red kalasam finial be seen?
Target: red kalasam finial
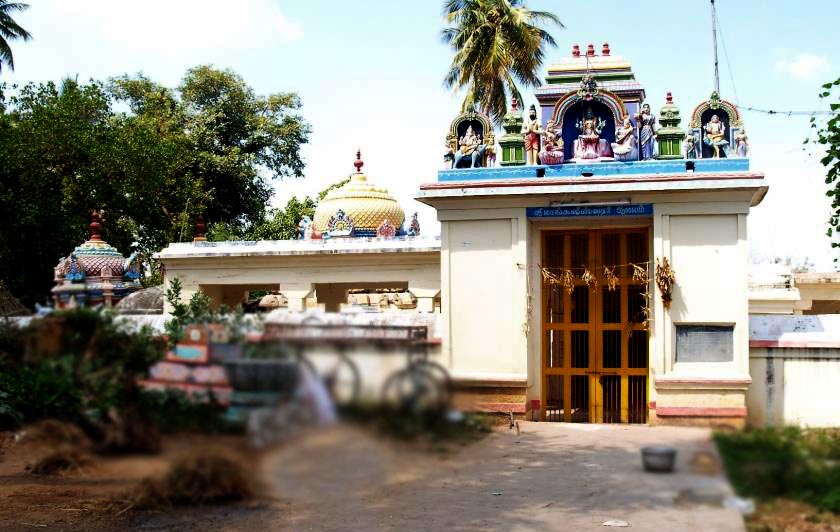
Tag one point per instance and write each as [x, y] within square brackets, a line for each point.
[605, 50]
[199, 227]
[590, 50]
[358, 163]
[514, 104]
[575, 50]
[95, 227]
[668, 98]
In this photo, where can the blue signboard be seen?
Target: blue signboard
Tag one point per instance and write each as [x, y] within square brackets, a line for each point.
[639, 209]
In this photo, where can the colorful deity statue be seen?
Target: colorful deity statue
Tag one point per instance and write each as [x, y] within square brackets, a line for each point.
[470, 148]
[340, 225]
[588, 143]
[552, 151]
[531, 130]
[692, 149]
[386, 230]
[742, 145]
[624, 148]
[716, 135]
[646, 123]
[414, 227]
[303, 225]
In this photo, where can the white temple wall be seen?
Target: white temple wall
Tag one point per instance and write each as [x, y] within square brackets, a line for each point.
[485, 303]
[227, 278]
[794, 386]
[706, 244]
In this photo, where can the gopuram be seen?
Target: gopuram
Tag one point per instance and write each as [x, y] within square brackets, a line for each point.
[592, 262]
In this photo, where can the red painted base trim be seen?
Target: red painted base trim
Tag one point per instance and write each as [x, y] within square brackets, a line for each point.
[699, 411]
[516, 408]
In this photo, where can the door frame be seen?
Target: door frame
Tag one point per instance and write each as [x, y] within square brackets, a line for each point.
[595, 326]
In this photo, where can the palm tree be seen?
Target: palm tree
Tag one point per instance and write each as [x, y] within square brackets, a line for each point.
[497, 43]
[10, 30]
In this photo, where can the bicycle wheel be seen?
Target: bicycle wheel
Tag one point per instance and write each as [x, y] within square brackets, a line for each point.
[343, 380]
[414, 388]
[440, 375]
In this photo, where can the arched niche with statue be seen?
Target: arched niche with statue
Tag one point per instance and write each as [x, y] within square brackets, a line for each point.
[607, 109]
[471, 141]
[726, 119]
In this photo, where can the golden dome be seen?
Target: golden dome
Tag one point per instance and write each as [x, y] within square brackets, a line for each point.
[365, 204]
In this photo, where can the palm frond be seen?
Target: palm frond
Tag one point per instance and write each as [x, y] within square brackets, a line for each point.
[497, 44]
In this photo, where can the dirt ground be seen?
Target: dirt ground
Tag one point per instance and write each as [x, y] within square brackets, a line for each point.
[548, 477]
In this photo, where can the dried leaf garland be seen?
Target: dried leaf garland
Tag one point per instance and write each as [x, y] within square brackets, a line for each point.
[665, 280]
[568, 281]
[610, 279]
[640, 275]
[588, 278]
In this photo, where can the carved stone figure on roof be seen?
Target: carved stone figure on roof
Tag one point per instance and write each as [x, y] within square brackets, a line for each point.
[588, 143]
[624, 148]
[304, 223]
[646, 123]
[692, 148]
[340, 225]
[414, 227]
[470, 148]
[742, 146]
[552, 151]
[715, 135]
[531, 130]
[386, 230]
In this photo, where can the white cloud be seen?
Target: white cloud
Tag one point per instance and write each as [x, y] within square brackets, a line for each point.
[805, 66]
[173, 25]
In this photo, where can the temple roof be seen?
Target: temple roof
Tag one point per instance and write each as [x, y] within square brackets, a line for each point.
[366, 204]
[611, 72]
[332, 246]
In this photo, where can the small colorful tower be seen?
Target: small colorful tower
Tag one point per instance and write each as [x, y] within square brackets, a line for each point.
[95, 273]
[512, 142]
[669, 137]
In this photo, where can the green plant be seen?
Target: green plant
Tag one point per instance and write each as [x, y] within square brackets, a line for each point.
[784, 462]
[199, 309]
[174, 411]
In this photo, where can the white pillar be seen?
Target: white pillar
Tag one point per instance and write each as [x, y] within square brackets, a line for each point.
[425, 297]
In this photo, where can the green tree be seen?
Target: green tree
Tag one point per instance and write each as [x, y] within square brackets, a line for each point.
[10, 31]
[209, 146]
[828, 136]
[497, 43]
[278, 224]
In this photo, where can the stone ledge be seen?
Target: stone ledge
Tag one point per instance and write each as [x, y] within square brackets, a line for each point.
[701, 383]
[489, 380]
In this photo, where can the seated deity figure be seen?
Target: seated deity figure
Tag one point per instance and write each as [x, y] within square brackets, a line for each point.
[470, 148]
[716, 135]
[742, 147]
[624, 147]
[588, 143]
[552, 151]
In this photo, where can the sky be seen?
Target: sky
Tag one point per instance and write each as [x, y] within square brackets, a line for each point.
[370, 76]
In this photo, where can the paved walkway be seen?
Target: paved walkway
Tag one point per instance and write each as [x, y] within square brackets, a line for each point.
[551, 477]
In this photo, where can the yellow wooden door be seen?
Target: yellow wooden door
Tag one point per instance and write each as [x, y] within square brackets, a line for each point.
[594, 339]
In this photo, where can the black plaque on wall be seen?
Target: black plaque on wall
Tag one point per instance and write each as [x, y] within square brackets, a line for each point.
[705, 343]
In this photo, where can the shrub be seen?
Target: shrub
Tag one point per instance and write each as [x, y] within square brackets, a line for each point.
[205, 476]
[784, 462]
[60, 460]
